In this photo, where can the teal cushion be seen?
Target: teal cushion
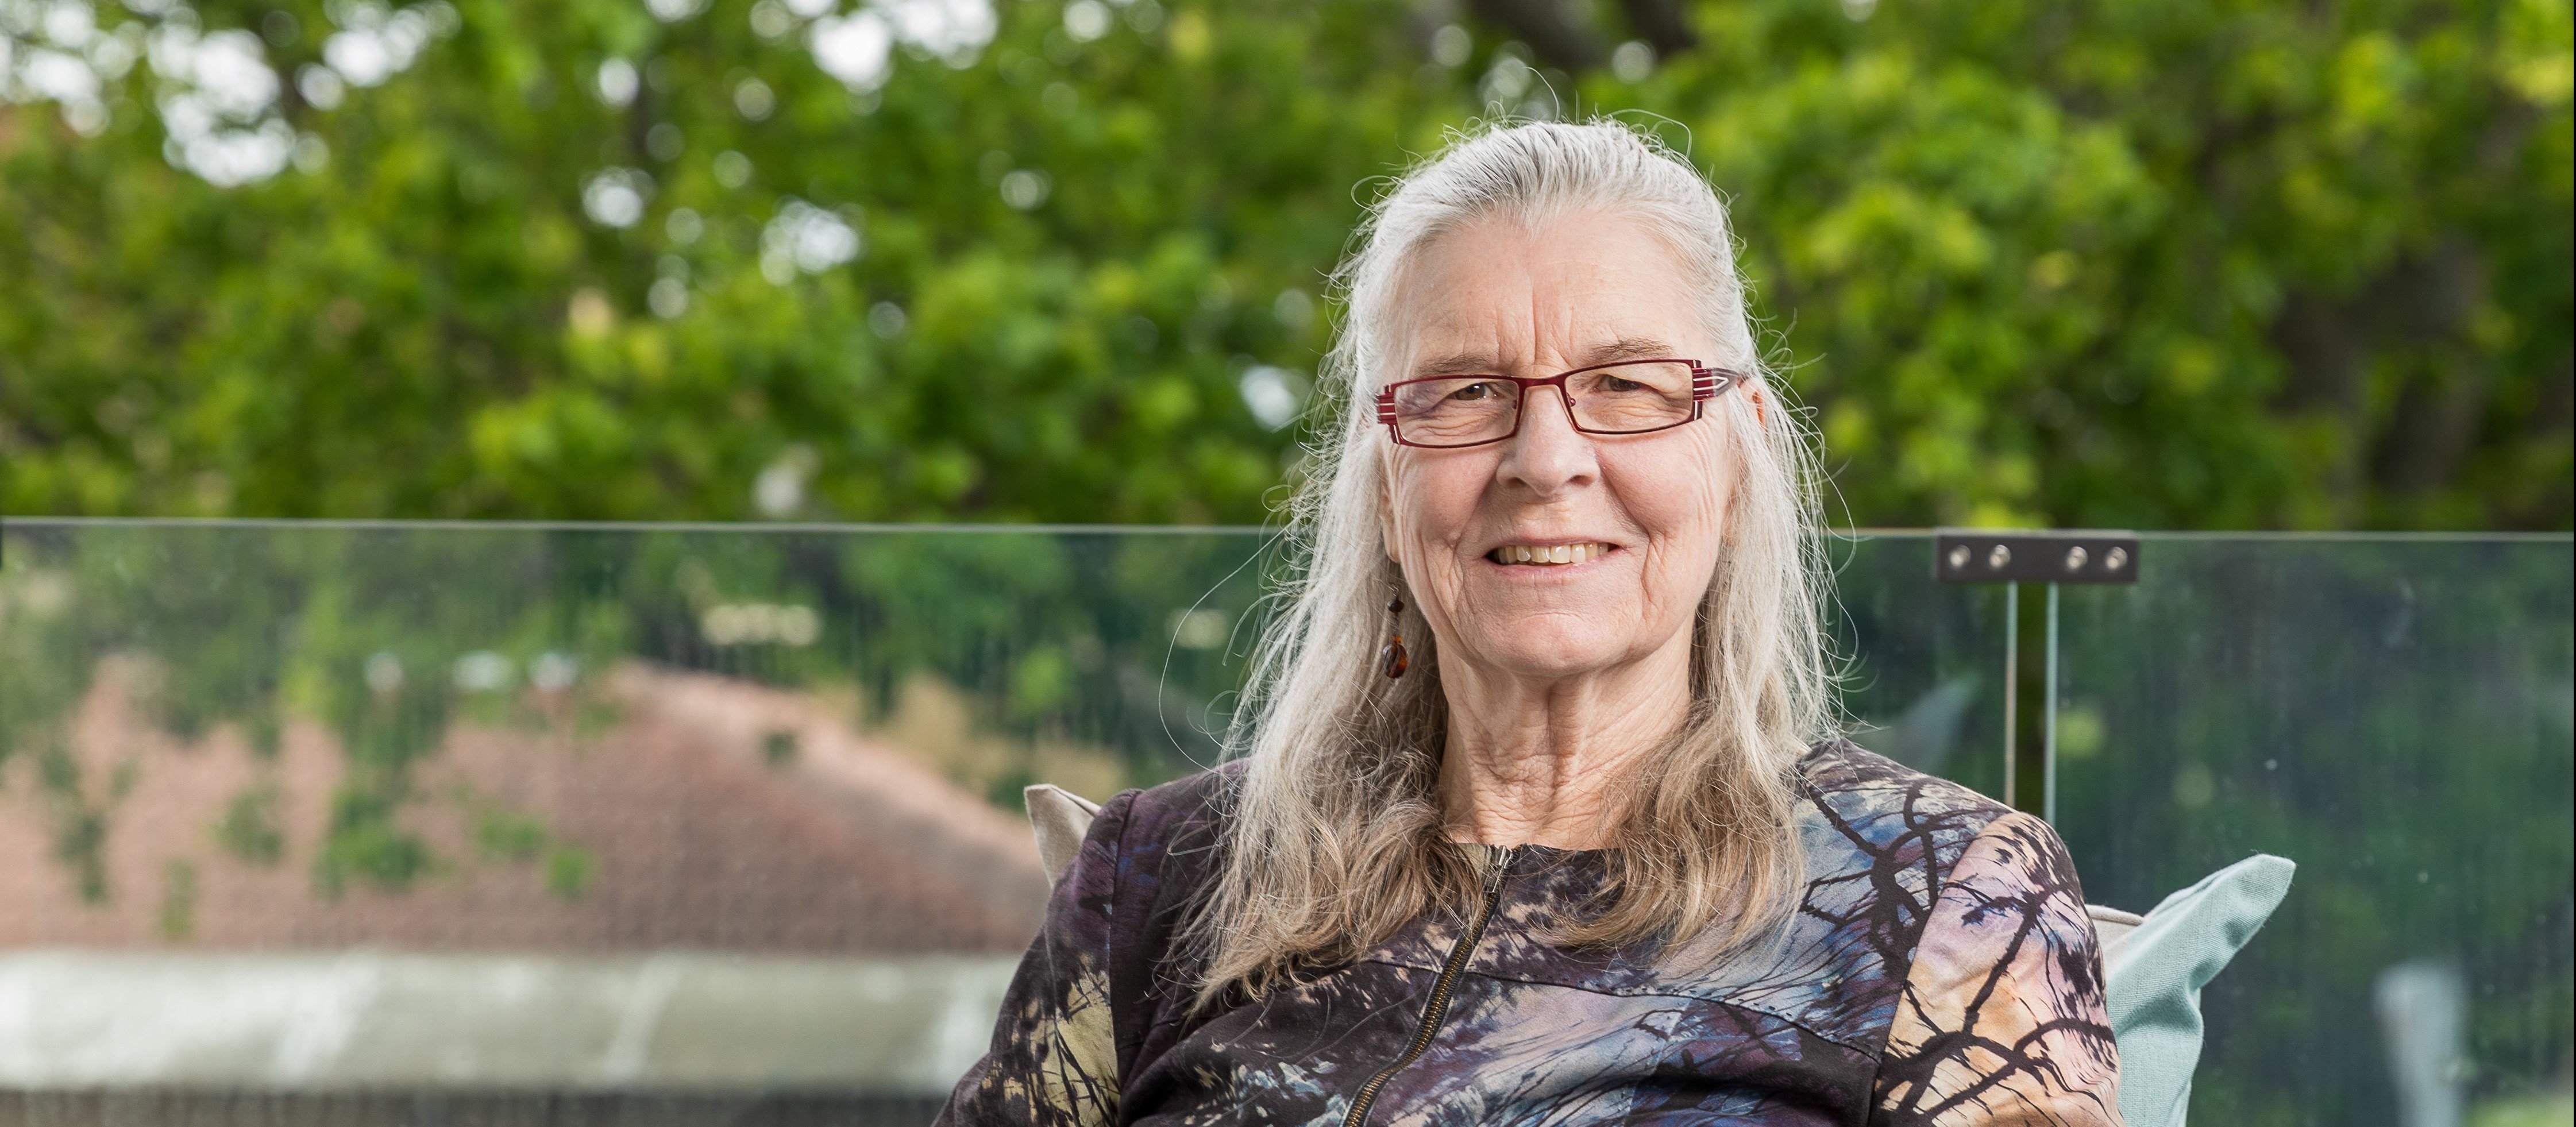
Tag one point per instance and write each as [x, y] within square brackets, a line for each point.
[2155, 972]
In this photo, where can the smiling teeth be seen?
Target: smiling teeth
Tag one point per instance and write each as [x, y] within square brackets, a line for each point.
[1548, 555]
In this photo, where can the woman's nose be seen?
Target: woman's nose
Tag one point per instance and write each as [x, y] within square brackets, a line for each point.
[1548, 454]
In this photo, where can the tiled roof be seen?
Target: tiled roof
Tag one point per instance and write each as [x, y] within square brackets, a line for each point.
[710, 814]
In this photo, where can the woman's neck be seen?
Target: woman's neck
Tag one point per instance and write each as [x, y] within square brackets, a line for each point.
[1543, 762]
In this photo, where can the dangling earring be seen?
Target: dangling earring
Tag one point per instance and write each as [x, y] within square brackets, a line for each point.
[1393, 659]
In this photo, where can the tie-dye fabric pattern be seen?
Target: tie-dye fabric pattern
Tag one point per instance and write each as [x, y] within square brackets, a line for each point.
[1940, 971]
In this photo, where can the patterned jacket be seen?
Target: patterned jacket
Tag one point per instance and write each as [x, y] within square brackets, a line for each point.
[1940, 969]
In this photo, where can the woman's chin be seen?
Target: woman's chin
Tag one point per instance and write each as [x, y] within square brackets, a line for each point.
[1540, 652]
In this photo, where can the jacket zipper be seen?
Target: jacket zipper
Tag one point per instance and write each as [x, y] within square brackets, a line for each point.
[1438, 1008]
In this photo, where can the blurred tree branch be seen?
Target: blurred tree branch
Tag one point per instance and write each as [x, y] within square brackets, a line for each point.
[1661, 24]
[1552, 29]
[2069, 265]
[1564, 36]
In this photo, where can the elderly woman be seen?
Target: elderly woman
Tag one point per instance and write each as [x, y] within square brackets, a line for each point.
[1540, 817]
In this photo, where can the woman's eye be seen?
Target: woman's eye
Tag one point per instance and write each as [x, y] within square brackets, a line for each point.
[1614, 383]
[1472, 392]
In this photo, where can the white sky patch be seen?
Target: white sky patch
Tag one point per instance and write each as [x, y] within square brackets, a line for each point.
[218, 103]
[70, 23]
[954, 30]
[1452, 45]
[553, 672]
[805, 238]
[780, 490]
[216, 92]
[482, 671]
[617, 81]
[615, 197]
[857, 48]
[379, 42]
[1273, 395]
[62, 77]
[1025, 188]
[56, 52]
[1086, 20]
[227, 71]
[669, 298]
[321, 86]
[753, 99]
[113, 55]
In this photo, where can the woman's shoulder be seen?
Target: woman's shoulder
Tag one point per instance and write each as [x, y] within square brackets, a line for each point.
[1881, 844]
[1193, 804]
[1856, 801]
[1157, 844]
[1940, 900]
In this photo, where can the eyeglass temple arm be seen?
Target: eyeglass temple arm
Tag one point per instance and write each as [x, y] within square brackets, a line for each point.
[1705, 384]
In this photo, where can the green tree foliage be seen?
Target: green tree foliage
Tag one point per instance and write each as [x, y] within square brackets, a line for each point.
[2197, 264]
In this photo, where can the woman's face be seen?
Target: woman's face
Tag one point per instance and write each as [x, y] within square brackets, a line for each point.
[1643, 514]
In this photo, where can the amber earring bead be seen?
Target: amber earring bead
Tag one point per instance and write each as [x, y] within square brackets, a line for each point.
[1393, 660]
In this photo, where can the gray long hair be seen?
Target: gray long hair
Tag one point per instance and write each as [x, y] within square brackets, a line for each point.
[1336, 835]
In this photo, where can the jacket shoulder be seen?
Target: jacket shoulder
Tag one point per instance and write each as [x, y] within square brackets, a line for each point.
[1868, 802]
[1166, 856]
[1879, 840]
[1194, 805]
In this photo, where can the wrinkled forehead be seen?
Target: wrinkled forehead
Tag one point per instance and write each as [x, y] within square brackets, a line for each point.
[1526, 297]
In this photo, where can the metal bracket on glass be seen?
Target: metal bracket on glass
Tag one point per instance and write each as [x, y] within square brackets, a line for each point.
[1970, 556]
[2015, 558]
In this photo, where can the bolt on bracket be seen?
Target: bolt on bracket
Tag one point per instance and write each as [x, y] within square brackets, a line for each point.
[1961, 555]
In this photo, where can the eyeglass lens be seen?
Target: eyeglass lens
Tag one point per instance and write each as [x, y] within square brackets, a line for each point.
[1465, 410]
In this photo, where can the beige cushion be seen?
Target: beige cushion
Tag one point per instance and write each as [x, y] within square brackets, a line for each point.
[2113, 925]
[1060, 818]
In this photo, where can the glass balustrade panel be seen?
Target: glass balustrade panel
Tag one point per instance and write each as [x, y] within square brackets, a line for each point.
[635, 813]
[2393, 715]
[1922, 663]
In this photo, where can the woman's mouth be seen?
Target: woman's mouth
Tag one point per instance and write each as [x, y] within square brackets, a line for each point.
[1548, 555]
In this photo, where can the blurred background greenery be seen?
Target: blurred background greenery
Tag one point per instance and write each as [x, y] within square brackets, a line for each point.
[2179, 264]
[2163, 263]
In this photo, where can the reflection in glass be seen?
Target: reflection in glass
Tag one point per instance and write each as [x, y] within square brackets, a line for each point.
[2393, 715]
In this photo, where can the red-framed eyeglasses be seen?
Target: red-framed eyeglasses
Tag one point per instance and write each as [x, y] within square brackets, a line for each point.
[1621, 397]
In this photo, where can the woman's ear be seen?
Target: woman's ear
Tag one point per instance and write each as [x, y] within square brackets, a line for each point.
[1386, 520]
[1761, 402]
[1386, 503]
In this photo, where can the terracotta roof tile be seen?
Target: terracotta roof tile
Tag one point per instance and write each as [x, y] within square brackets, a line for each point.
[695, 838]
